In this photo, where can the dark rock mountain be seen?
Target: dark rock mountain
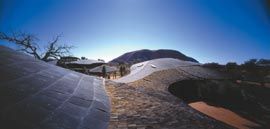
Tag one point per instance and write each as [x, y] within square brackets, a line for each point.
[145, 54]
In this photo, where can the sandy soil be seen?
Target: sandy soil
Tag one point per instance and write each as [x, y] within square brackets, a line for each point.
[224, 115]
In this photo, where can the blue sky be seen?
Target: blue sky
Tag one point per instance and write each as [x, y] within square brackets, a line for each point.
[207, 30]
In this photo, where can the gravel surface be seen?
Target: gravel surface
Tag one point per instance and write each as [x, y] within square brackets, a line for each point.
[147, 104]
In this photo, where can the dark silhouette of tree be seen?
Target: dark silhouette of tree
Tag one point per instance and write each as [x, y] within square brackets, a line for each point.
[250, 64]
[212, 65]
[83, 58]
[28, 44]
[263, 62]
[231, 65]
[233, 70]
[251, 61]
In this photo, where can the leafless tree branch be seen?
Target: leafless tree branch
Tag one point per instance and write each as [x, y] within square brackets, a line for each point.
[27, 44]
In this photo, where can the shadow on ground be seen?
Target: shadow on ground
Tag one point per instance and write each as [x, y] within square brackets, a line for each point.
[247, 100]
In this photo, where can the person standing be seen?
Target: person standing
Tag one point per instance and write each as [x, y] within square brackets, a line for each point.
[121, 70]
[104, 72]
[114, 74]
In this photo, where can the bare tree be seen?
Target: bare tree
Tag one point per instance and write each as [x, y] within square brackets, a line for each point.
[28, 44]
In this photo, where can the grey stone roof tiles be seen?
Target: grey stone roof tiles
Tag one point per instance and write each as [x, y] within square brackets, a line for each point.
[37, 95]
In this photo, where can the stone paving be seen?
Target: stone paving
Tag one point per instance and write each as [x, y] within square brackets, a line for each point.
[147, 104]
[37, 95]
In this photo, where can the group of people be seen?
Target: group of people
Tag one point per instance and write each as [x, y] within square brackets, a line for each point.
[122, 71]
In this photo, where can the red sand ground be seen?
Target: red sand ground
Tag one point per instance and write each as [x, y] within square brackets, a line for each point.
[223, 115]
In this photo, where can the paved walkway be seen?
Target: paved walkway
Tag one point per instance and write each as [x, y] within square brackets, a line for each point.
[147, 104]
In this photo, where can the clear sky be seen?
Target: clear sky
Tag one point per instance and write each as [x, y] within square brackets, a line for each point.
[207, 30]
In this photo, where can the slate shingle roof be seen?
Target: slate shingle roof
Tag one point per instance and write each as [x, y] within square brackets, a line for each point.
[37, 95]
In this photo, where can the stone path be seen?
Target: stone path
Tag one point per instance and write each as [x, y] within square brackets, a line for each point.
[147, 104]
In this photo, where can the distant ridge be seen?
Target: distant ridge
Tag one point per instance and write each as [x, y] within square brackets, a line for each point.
[145, 54]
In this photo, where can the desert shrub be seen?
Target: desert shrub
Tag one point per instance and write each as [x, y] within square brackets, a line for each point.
[231, 65]
[250, 64]
[263, 62]
[212, 65]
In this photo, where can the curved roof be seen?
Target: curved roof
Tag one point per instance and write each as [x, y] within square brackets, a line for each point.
[143, 69]
[86, 62]
[38, 95]
[99, 69]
